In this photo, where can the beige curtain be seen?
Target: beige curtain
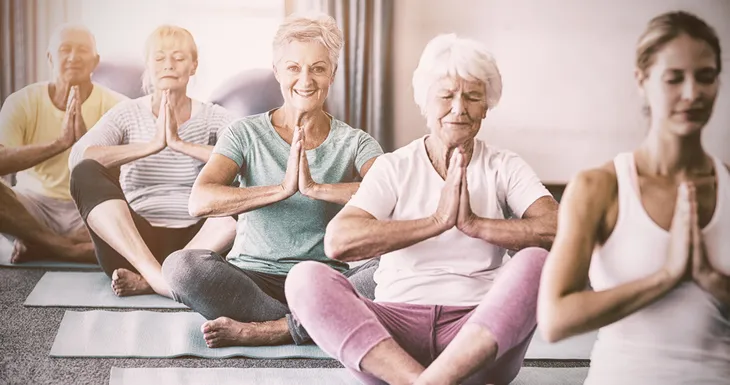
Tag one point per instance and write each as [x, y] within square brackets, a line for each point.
[360, 93]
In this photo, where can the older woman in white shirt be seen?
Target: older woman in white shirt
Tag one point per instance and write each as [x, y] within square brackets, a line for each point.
[446, 310]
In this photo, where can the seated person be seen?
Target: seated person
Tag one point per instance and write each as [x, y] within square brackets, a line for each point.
[38, 126]
[439, 212]
[297, 166]
[161, 141]
[660, 276]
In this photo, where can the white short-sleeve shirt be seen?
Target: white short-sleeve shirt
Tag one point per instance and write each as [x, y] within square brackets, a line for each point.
[452, 268]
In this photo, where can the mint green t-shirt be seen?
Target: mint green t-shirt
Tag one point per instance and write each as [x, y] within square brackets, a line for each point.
[274, 238]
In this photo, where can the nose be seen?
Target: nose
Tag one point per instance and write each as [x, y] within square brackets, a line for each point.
[690, 89]
[305, 78]
[458, 106]
[72, 56]
[168, 64]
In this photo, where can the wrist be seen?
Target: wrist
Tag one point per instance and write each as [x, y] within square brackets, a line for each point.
[311, 190]
[61, 144]
[470, 227]
[155, 147]
[439, 223]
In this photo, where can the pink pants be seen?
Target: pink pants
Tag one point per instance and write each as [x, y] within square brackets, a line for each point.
[347, 326]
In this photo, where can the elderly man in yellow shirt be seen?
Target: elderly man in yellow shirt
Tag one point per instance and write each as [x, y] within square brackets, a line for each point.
[38, 126]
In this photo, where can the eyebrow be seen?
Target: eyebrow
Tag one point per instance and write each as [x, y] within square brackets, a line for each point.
[293, 62]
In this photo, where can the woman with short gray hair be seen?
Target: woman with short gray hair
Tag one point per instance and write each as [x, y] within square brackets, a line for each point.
[446, 309]
[297, 166]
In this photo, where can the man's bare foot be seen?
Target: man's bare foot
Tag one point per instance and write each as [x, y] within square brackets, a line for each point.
[224, 331]
[24, 251]
[27, 252]
[126, 283]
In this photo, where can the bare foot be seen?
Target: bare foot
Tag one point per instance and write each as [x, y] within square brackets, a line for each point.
[224, 331]
[24, 251]
[126, 283]
[27, 252]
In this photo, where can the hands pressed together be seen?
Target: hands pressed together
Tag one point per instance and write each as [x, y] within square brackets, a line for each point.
[73, 121]
[298, 176]
[166, 123]
[687, 259]
[454, 208]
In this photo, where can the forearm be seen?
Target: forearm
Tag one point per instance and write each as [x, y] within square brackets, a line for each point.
[718, 285]
[114, 156]
[16, 159]
[514, 234]
[339, 193]
[582, 311]
[211, 200]
[198, 151]
[354, 239]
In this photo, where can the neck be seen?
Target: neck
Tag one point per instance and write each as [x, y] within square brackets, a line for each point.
[59, 90]
[440, 153]
[178, 99]
[311, 121]
[667, 155]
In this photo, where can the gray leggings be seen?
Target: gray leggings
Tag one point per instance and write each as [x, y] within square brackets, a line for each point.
[207, 283]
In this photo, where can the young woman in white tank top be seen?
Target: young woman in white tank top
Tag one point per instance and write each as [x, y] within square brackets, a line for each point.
[651, 230]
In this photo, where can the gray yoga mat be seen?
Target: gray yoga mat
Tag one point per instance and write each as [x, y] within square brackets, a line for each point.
[150, 334]
[90, 289]
[153, 334]
[6, 249]
[319, 376]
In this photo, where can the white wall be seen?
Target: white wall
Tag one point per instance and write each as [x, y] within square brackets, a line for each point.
[569, 100]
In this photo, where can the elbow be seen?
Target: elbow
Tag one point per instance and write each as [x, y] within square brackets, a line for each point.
[334, 244]
[549, 325]
[197, 207]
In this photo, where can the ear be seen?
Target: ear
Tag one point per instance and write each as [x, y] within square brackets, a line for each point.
[96, 63]
[50, 59]
[640, 77]
[334, 74]
[195, 68]
[276, 73]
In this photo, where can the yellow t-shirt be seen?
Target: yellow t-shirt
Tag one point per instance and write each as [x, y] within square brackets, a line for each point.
[29, 117]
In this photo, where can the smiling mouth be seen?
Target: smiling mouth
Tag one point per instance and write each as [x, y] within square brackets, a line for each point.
[305, 94]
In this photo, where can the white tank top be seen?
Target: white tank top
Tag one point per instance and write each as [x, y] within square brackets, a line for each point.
[683, 337]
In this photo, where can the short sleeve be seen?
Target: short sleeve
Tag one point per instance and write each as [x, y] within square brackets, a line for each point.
[522, 185]
[377, 193]
[108, 131]
[232, 143]
[367, 148]
[13, 121]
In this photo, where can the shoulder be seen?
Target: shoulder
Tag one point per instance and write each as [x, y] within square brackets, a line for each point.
[249, 127]
[341, 130]
[217, 115]
[599, 186]
[29, 95]
[403, 157]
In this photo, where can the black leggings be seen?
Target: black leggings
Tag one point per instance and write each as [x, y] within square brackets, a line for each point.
[93, 184]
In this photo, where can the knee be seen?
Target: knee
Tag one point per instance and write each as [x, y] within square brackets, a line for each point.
[181, 268]
[530, 261]
[305, 280]
[86, 170]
